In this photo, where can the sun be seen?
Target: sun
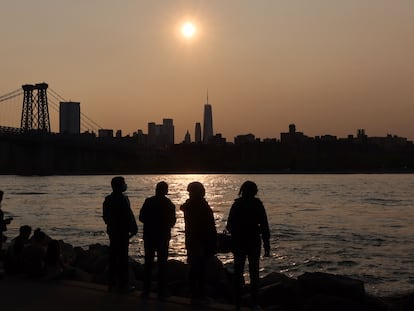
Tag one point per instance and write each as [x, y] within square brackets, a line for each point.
[188, 30]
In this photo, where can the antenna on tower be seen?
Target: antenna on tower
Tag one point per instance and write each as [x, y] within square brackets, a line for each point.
[207, 95]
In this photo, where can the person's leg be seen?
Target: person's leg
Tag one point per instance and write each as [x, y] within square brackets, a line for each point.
[254, 259]
[194, 270]
[123, 263]
[112, 264]
[149, 262]
[162, 258]
[239, 262]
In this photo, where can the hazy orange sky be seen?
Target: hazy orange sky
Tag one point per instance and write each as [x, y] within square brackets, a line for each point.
[330, 67]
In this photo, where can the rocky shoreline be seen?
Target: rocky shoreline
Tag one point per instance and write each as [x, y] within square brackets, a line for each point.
[310, 291]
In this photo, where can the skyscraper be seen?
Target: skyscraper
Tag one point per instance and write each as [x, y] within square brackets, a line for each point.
[197, 134]
[69, 118]
[168, 131]
[208, 123]
[161, 134]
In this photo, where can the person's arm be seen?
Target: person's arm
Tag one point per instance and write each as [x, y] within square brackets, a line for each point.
[230, 219]
[173, 217]
[142, 212]
[133, 227]
[105, 211]
[265, 231]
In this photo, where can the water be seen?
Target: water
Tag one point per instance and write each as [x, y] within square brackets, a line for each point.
[357, 225]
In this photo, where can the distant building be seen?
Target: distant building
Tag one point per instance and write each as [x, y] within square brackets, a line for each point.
[118, 134]
[105, 133]
[269, 140]
[197, 134]
[361, 134]
[187, 138]
[217, 139]
[161, 134]
[208, 123]
[293, 137]
[244, 139]
[142, 138]
[167, 131]
[327, 138]
[153, 132]
[69, 118]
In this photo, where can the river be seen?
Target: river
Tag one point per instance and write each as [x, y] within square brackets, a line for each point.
[359, 225]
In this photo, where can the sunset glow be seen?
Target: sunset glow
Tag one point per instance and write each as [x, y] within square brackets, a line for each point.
[188, 30]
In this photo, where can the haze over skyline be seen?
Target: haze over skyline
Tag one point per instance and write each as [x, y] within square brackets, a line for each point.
[329, 67]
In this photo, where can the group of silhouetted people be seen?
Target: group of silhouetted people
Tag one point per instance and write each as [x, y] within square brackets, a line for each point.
[247, 223]
[33, 255]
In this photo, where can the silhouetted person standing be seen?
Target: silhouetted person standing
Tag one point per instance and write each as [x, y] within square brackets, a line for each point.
[248, 224]
[158, 216]
[200, 237]
[121, 226]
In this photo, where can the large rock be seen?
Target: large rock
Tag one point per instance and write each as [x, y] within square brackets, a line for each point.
[331, 284]
[282, 294]
[67, 252]
[94, 260]
[177, 271]
[276, 277]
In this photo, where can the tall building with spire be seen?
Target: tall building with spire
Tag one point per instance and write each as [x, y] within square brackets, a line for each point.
[208, 122]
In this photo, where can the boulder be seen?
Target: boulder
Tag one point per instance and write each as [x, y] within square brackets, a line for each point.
[215, 271]
[275, 277]
[331, 284]
[68, 253]
[177, 271]
[282, 294]
[94, 260]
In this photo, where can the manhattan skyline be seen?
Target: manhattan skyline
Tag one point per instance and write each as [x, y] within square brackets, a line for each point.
[330, 68]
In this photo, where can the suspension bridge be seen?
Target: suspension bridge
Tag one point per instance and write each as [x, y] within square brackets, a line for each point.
[27, 110]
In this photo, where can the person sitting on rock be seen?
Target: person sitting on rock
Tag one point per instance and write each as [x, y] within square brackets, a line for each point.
[33, 256]
[14, 256]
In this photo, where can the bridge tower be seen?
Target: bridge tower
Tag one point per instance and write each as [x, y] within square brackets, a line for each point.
[35, 111]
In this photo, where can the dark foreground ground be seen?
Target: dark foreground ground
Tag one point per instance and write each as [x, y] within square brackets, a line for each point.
[20, 295]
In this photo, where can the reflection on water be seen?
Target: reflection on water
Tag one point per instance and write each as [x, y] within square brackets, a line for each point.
[357, 225]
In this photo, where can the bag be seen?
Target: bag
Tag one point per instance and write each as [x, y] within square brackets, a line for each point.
[224, 242]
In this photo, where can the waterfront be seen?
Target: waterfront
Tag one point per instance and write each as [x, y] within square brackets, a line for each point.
[357, 225]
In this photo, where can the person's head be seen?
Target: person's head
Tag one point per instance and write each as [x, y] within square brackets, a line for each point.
[248, 189]
[196, 190]
[118, 184]
[39, 237]
[161, 188]
[25, 231]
